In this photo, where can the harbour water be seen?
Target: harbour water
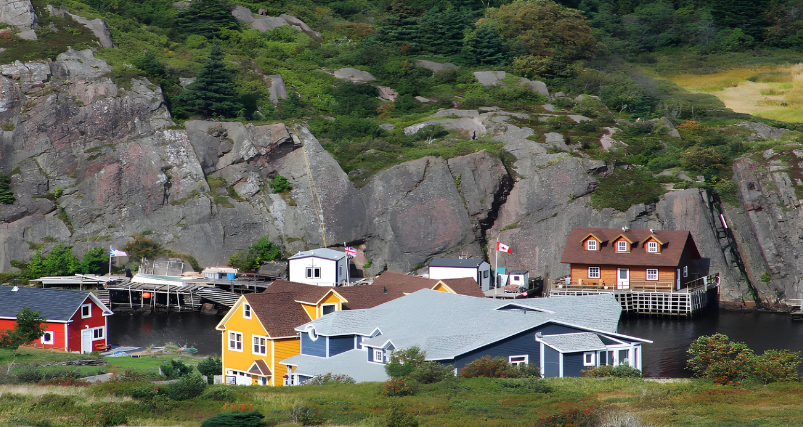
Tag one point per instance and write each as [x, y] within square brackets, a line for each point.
[665, 358]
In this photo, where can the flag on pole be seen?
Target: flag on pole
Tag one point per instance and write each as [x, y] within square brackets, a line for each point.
[117, 252]
[351, 252]
[501, 247]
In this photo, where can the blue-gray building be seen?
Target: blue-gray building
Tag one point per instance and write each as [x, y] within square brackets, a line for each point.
[561, 335]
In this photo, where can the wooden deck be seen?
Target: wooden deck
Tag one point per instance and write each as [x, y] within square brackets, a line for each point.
[649, 297]
[179, 298]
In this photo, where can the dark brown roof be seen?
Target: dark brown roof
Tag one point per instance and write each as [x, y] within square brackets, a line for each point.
[465, 286]
[673, 244]
[278, 312]
[304, 292]
[260, 368]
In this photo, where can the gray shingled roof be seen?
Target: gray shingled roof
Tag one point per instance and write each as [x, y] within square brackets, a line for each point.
[52, 304]
[447, 325]
[573, 343]
[320, 253]
[353, 363]
[449, 262]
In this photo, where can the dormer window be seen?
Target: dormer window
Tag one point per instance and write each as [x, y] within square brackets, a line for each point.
[652, 247]
[591, 245]
[621, 246]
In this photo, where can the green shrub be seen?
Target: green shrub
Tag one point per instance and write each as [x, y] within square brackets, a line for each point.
[430, 132]
[220, 393]
[527, 385]
[210, 367]
[430, 372]
[330, 378]
[279, 184]
[143, 392]
[626, 371]
[491, 367]
[403, 361]
[187, 387]
[723, 361]
[29, 375]
[306, 415]
[110, 415]
[625, 188]
[620, 371]
[175, 369]
[777, 366]
[396, 387]
[236, 419]
[396, 416]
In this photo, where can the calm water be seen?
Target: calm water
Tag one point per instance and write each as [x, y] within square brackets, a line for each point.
[671, 337]
[665, 358]
[192, 329]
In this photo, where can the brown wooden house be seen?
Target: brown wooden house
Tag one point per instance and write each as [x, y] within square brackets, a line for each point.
[614, 258]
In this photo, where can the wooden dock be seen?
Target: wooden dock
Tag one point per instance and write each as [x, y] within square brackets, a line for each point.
[645, 300]
[170, 297]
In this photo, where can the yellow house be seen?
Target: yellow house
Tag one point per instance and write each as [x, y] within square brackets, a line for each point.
[259, 330]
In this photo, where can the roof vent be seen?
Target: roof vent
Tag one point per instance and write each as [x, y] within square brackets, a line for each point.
[625, 229]
[385, 290]
[15, 289]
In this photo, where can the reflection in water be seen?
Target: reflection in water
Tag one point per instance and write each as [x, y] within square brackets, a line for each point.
[665, 358]
[671, 337]
[192, 329]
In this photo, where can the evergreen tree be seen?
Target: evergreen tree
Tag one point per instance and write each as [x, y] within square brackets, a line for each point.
[27, 328]
[6, 195]
[212, 94]
[206, 18]
[749, 15]
[441, 29]
[484, 46]
[96, 261]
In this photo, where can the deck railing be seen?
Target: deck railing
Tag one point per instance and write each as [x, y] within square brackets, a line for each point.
[638, 286]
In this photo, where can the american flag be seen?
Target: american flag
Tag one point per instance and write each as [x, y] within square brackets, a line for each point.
[351, 252]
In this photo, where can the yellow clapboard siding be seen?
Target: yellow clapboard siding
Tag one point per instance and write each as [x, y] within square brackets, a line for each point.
[242, 360]
[285, 348]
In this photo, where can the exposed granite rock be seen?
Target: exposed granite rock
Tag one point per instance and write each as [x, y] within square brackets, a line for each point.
[97, 26]
[762, 131]
[483, 183]
[489, 78]
[277, 88]
[20, 15]
[387, 94]
[263, 22]
[354, 74]
[537, 86]
[292, 20]
[435, 66]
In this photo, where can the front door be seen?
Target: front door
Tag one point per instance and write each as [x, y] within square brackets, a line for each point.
[623, 278]
[86, 341]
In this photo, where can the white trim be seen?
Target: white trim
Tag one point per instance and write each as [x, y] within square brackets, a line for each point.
[66, 338]
[526, 360]
[541, 353]
[311, 333]
[649, 276]
[254, 344]
[246, 311]
[652, 247]
[621, 245]
[89, 306]
[598, 274]
[560, 364]
[589, 244]
[593, 361]
[50, 341]
[273, 360]
[102, 331]
[229, 339]
[378, 352]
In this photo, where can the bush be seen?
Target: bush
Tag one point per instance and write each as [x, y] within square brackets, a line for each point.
[220, 393]
[29, 375]
[236, 419]
[491, 367]
[6, 195]
[621, 371]
[625, 188]
[306, 415]
[431, 372]
[403, 361]
[176, 369]
[187, 387]
[210, 367]
[396, 416]
[110, 415]
[279, 184]
[723, 361]
[396, 387]
[143, 392]
[527, 385]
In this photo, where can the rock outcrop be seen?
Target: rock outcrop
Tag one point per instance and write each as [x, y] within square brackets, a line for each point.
[97, 26]
[20, 15]
[266, 23]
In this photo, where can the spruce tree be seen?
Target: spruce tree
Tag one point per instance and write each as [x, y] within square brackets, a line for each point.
[441, 29]
[212, 94]
[206, 18]
[484, 46]
[6, 195]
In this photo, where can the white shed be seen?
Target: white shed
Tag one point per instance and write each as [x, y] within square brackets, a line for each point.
[446, 268]
[518, 278]
[320, 267]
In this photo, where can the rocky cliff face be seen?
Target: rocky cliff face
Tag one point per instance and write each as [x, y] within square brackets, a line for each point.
[93, 163]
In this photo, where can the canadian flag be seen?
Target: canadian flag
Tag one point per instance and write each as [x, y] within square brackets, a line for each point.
[501, 247]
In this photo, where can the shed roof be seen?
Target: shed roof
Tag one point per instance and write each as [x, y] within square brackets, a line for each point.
[353, 363]
[519, 272]
[674, 242]
[52, 304]
[459, 263]
[325, 253]
[572, 343]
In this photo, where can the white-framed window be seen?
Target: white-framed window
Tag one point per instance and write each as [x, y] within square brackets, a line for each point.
[47, 338]
[593, 273]
[246, 311]
[685, 271]
[518, 360]
[589, 359]
[86, 311]
[98, 333]
[621, 246]
[591, 245]
[235, 341]
[379, 355]
[260, 345]
[328, 308]
[652, 274]
[313, 272]
[652, 247]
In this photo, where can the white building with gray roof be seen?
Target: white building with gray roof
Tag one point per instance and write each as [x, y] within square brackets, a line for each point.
[562, 336]
[320, 267]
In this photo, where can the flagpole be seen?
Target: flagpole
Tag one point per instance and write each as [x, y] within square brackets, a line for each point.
[348, 266]
[110, 261]
[496, 266]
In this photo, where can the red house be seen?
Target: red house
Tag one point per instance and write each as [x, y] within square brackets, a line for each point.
[75, 320]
